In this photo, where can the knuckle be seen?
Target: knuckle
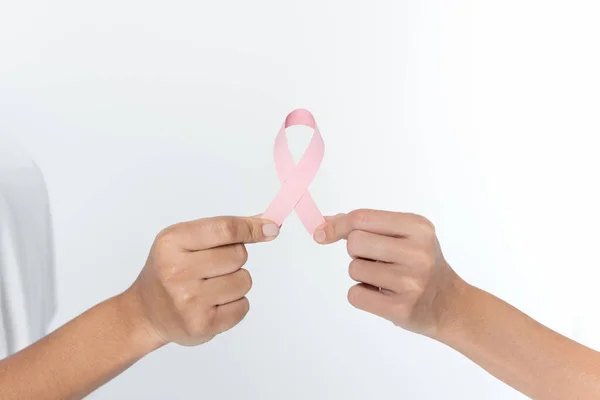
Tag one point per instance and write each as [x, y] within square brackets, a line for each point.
[417, 285]
[226, 228]
[350, 249]
[239, 312]
[354, 296]
[356, 235]
[407, 286]
[359, 217]
[425, 226]
[245, 280]
[209, 318]
[198, 324]
[180, 296]
[354, 270]
[239, 254]
[164, 264]
[353, 243]
[425, 259]
[165, 237]
[397, 273]
[244, 308]
[163, 257]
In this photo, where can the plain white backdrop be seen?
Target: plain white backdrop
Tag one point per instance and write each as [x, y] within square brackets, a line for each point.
[481, 115]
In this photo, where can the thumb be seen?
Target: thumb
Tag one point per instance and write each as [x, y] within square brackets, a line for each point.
[265, 230]
[335, 228]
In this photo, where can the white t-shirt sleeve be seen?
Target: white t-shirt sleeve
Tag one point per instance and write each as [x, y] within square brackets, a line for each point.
[27, 287]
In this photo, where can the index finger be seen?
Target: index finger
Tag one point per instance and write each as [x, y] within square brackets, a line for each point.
[388, 223]
[213, 232]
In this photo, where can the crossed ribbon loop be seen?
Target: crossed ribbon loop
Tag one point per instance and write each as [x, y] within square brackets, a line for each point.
[296, 179]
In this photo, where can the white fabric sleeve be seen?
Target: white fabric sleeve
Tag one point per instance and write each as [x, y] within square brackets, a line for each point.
[27, 282]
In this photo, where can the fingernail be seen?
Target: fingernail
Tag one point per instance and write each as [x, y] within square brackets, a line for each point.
[320, 235]
[270, 230]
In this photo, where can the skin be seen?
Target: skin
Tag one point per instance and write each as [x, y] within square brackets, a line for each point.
[193, 287]
[403, 277]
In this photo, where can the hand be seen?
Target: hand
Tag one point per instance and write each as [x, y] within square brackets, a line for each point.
[193, 286]
[397, 259]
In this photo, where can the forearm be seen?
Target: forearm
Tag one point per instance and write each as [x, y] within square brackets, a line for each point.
[526, 355]
[80, 356]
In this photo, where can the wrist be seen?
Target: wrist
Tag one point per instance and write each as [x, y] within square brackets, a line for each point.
[141, 333]
[453, 308]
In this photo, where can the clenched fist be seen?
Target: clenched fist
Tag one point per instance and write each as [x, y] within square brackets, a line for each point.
[193, 286]
[397, 259]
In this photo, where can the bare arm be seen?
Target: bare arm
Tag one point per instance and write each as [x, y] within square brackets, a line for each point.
[518, 350]
[80, 356]
[421, 293]
[191, 289]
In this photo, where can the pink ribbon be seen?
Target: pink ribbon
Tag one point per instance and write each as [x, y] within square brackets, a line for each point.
[296, 179]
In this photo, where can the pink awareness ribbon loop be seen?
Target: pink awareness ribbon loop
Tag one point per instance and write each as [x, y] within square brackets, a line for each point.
[296, 179]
